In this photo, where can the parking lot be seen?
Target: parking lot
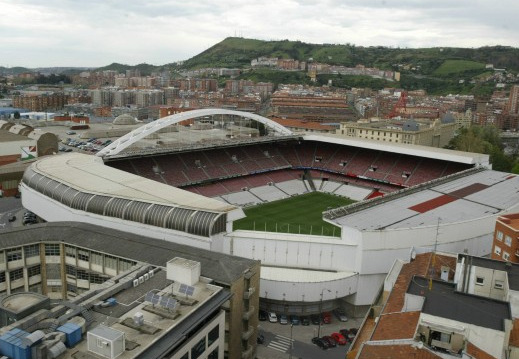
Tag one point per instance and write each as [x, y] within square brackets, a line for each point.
[278, 343]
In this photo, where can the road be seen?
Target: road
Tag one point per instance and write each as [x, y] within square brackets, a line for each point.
[278, 341]
[9, 206]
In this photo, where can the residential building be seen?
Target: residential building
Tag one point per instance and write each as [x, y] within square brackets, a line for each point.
[43, 102]
[430, 307]
[132, 285]
[436, 133]
[513, 100]
[505, 245]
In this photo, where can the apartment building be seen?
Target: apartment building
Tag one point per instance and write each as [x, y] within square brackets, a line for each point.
[505, 246]
[439, 305]
[436, 133]
[43, 102]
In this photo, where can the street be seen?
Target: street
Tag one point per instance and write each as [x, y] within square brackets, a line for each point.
[278, 341]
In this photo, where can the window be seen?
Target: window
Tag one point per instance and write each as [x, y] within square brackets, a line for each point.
[96, 258]
[16, 274]
[14, 254]
[52, 250]
[2, 277]
[508, 241]
[185, 356]
[32, 271]
[110, 262]
[70, 270]
[32, 251]
[498, 284]
[81, 274]
[213, 354]
[213, 335]
[480, 280]
[82, 255]
[497, 250]
[70, 252]
[506, 256]
[198, 349]
[499, 235]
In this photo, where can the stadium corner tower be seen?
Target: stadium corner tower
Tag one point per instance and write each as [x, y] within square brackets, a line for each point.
[407, 199]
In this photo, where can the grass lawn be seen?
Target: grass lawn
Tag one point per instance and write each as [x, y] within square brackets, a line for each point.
[301, 214]
[457, 66]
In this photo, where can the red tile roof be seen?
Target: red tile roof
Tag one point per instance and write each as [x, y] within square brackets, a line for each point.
[395, 351]
[396, 326]
[393, 323]
[514, 334]
[478, 353]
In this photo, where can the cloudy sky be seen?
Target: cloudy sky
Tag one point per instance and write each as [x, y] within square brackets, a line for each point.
[93, 33]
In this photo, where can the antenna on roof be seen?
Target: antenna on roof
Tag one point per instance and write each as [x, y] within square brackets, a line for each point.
[431, 268]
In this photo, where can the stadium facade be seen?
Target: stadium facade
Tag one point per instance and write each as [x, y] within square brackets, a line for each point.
[433, 198]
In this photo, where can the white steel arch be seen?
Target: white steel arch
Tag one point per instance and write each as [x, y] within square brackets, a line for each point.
[149, 128]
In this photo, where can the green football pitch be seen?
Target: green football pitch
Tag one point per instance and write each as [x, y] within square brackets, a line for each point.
[300, 214]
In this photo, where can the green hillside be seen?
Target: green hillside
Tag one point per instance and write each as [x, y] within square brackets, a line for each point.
[145, 69]
[458, 66]
[238, 52]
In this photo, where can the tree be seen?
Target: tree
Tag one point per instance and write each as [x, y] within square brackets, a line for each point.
[16, 115]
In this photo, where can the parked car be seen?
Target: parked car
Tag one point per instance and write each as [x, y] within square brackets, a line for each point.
[294, 320]
[320, 343]
[327, 317]
[262, 315]
[339, 338]
[330, 341]
[349, 334]
[339, 313]
[283, 319]
[305, 320]
[71, 133]
[273, 318]
[315, 319]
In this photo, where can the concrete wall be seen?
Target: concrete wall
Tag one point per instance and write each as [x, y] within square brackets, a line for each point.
[490, 340]
[293, 250]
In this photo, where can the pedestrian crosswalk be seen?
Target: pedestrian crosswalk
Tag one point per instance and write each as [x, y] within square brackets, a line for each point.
[280, 343]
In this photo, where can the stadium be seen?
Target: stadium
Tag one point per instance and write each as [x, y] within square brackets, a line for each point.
[196, 178]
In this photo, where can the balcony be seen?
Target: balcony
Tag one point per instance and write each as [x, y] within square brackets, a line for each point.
[245, 336]
[249, 293]
[247, 354]
[247, 315]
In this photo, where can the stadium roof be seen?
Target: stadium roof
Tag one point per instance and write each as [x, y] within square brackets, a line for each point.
[89, 174]
[406, 149]
[84, 183]
[481, 194]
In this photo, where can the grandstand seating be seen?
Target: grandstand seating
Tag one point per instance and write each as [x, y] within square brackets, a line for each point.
[258, 164]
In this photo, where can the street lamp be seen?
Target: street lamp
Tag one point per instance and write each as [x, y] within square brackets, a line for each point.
[320, 310]
[291, 342]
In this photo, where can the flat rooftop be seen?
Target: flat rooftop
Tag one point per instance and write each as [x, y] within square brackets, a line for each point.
[222, 268]
[473, 196]
[443, 301]
[168, 316]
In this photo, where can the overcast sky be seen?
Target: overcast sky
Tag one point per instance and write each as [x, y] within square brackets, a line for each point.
[94, 33]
